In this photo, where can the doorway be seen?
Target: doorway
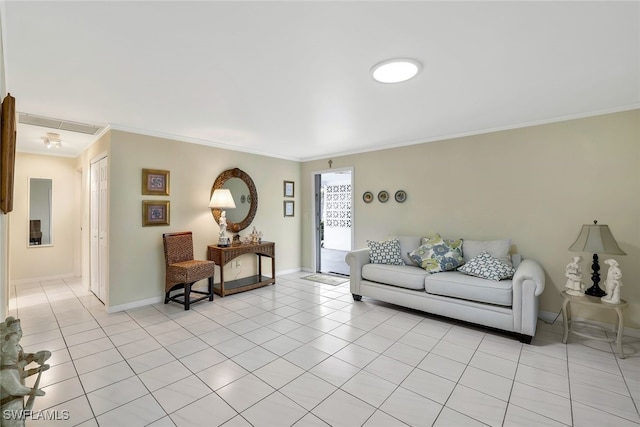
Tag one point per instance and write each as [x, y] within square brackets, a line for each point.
[333, 220]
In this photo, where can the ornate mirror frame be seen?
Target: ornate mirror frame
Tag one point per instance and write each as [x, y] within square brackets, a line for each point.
[219, 182]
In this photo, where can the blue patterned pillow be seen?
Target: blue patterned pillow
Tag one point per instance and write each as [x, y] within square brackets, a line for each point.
[387, 252]
[437, 254]
[487, 267]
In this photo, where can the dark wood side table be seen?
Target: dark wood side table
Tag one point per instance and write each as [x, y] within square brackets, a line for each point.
[222, 256]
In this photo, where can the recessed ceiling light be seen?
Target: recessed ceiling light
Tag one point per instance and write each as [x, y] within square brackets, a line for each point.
[396, 70]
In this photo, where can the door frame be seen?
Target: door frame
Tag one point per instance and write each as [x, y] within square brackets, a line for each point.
[103, 259]
[315, 221]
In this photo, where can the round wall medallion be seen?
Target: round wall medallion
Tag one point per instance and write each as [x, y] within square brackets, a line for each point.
[383, 196]
[367, 197]
[401, 196]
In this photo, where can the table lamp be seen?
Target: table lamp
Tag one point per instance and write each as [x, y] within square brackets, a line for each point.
[597, 239]
[222, 199]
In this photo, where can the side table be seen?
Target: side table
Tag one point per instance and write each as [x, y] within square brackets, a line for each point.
[593, 302]
[223, 255]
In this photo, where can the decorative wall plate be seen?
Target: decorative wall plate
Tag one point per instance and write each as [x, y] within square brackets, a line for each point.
[383, 196]
[367, 197]
[401, 196]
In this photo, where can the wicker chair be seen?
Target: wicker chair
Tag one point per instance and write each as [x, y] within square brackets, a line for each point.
[35, 233]
[182, 271]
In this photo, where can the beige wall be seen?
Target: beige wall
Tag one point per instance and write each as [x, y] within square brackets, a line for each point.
[136, 260]
[535, 185]
[44, 261]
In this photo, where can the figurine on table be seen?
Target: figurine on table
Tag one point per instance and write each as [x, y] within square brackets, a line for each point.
[574, 285]
[612, 283]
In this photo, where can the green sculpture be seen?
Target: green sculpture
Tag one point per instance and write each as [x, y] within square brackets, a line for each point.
[13, 361]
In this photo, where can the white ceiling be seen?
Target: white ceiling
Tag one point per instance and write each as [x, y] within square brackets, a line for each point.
[291, 79]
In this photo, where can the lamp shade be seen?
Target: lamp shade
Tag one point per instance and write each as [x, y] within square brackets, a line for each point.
[222, 199]
[596, 238]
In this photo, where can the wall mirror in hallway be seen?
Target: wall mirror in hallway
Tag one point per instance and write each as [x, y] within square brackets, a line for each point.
[245, 197]
[40, 212]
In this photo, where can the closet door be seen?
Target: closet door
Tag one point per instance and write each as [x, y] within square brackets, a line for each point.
[98, 225]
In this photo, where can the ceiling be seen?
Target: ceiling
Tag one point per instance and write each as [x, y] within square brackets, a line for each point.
[292, 79]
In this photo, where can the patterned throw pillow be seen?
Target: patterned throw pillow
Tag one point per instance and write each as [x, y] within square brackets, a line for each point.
[487, 267]
[387, 252]
[436, 254]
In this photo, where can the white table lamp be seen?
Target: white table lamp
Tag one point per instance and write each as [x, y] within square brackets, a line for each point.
[222, 199]
[596, 239]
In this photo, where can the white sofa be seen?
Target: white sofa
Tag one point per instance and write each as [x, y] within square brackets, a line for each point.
[508, 305]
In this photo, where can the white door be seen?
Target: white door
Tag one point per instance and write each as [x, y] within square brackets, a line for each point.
[98, 225]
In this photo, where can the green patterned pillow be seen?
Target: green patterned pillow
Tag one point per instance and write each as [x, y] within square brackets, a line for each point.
[436, 254]
[387, 252]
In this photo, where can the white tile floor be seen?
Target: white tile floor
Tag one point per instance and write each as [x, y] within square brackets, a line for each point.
[302, 353]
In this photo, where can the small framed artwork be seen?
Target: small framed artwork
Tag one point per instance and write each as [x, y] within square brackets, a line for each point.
[383, 196]
[288, 189]
[288, 208]
[155, 182]
[400, 196]
[155, 212]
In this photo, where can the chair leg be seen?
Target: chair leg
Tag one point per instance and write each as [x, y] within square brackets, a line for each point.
[187, 295]
[211, 288]
[166, 297]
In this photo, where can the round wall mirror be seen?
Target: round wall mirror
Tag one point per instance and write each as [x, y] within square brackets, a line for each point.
[244, 195]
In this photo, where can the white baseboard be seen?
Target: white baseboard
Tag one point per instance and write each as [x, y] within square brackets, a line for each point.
[134, 304]
[156, 300]
[548, 316]
[289, 271]
[60, 276]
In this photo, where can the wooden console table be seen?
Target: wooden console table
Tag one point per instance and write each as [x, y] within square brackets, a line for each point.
[222, 256]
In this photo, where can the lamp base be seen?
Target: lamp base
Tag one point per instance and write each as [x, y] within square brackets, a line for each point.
[224, 242]
[595, 291]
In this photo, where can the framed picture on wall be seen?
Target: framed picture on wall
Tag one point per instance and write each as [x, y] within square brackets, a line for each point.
[7, 153]
[288, 189]
[155, 182]
[288, 208]
[155, 212]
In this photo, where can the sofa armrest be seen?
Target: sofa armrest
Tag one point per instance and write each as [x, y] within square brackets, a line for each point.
[356, 260]
[528, 284]
[530, 270]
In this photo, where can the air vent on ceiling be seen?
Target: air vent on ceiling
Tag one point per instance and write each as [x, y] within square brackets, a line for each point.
[47, 122]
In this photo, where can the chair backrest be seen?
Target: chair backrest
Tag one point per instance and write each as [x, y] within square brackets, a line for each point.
[178, 247]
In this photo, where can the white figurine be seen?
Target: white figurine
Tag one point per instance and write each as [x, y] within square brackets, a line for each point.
[223, 223]
[612, 283]
[573, 273]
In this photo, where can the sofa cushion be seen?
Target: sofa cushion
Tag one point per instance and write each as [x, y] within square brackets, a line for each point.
[488, 267]
[404, 276]
[386, 252]
[496, 248]
[459, 285]
[407, 245]
[436, 254]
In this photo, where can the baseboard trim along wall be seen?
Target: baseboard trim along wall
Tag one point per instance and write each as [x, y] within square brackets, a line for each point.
[134, 304]
[18, 282]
